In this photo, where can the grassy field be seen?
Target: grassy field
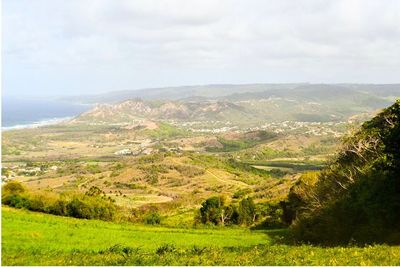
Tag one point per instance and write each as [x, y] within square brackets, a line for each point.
[176, 184]
[30, 238]
[177, 175]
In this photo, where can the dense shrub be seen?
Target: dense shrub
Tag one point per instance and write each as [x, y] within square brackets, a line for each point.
[211, 210]
[59, 207]
[357, 197]
[215, 210]
[89, 206]
[12, 188]
[165, 248]
[17, 201]
[271, 215]
[13, 195]
[298, 196]
[246, 211]
[152, 218]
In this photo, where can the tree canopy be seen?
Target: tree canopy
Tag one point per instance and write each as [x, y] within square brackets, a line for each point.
[357, 197]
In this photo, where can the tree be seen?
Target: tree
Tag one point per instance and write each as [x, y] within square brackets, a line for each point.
[211, 210]
[247, 211]
[300, 196]
[153, 218]
[229, 215]
[13, 188]
[214, 210]
[356, 198]
[13, 195]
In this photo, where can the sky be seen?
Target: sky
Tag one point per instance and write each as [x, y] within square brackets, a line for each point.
[73, 47]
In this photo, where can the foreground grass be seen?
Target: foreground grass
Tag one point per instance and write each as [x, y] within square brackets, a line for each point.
[38, 239]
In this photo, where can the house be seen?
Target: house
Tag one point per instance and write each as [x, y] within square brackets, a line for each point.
[123, 152]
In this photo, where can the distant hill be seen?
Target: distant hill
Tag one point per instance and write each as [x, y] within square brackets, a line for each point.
[243, 104]
[179, 92]
[242, 91]
[165, 110]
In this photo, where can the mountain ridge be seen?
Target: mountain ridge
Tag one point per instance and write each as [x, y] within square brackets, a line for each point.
[309, 103]
[227, 91]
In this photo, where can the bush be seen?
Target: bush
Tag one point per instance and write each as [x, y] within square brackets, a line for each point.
[355, 199]
[59, 208]
[166, 248]
[17, 201]
[78, 209]
[247, 211]
[214, 211]
[91, 206]
[153, 218]
[211, 210]
[12, 195]
[13, 188]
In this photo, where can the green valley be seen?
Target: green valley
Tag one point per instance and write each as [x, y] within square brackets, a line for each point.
[170, 183]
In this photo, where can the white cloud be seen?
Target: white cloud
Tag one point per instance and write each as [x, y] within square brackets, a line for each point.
[197, 41]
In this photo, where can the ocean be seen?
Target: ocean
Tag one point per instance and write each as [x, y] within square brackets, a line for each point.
[20, 113]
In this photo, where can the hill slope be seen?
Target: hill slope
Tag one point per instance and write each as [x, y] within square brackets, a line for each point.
[165, 110]
[232, 91]
[180, 92]
[127, 244]
[243, 104]
[357, 198]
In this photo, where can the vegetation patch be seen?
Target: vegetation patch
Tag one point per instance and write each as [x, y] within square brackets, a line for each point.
[357, 197]
[92, 205]
[61, 244]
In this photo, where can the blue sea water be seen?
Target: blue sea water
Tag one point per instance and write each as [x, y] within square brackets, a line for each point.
[27, 112]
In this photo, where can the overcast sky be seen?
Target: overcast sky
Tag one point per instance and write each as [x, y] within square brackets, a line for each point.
[59, 47]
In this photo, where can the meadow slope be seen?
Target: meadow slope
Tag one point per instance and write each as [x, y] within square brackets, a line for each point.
[30, 238]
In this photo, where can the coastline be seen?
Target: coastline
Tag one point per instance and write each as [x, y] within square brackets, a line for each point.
[36, 124]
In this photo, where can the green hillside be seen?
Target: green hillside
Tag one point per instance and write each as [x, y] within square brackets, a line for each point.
[239, 91]
[357, 197]
[242, 105]
[37, 239]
